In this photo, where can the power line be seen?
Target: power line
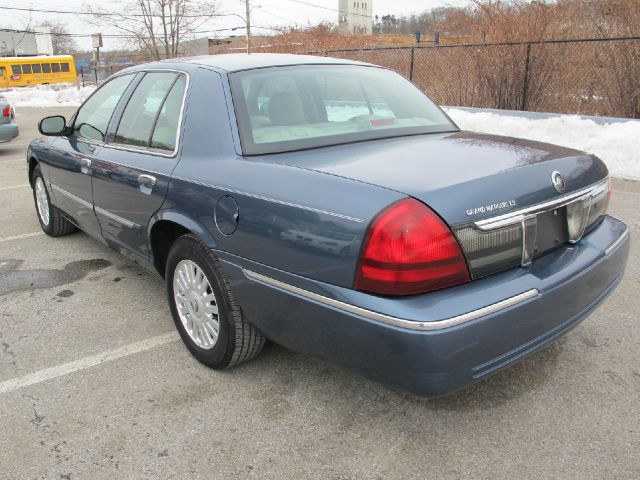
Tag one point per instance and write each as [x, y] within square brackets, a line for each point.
[117, 35]
[108, 14]
[330, 9]
[262, 10]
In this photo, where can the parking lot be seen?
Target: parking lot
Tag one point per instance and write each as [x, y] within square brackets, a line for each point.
[94, 382]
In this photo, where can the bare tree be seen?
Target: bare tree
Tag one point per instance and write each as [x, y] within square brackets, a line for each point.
[62, 42]
[156, 26]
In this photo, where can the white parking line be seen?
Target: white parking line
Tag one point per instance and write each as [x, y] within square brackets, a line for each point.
[86, 362]
[22, 185]
[626, 192]
[18, 237]
[13, 160]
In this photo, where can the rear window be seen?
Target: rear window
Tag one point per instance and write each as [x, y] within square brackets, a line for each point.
[293, 108]
[64, 67]
[143, 109]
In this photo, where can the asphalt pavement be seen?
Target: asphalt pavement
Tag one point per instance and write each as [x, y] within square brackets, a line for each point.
[94, 383]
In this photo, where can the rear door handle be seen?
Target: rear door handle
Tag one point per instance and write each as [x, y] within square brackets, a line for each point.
[85, 165]
[147, 180]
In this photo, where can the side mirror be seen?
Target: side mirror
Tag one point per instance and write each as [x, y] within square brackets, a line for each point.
[52, 126]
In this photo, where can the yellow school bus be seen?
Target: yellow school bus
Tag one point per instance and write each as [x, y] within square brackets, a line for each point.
[22, 71]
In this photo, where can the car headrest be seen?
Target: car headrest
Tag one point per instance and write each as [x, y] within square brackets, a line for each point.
[285, 108]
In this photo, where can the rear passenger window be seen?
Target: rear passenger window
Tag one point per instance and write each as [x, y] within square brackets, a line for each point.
[26, 69]
[166, 128]
[36, 68]
[143, 109]
[15, 69]
[55, 67]
[46, 68]
[64, 67]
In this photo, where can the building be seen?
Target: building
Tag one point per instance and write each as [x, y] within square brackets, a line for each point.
[212, 46]
[232, 44]
[355, 17]
[20, 43]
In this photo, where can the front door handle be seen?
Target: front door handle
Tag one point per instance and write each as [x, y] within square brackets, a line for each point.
[147, 180]
[85, 165]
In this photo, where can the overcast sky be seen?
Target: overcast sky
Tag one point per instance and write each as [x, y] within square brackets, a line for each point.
[270, 13]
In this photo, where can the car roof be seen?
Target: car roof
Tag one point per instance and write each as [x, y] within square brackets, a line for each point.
[234, 62]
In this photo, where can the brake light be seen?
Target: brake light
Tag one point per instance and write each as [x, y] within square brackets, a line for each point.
[6, 111]
[408, 249]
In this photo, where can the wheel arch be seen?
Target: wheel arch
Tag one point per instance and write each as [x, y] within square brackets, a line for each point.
[32, 163]
[165, 228]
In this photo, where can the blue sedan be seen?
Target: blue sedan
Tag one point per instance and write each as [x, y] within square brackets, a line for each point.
[331, 207]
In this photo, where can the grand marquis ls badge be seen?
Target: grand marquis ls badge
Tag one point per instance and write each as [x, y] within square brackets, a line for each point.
[558, 181]
[491, 207]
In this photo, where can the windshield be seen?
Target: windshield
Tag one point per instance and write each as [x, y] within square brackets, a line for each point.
[293, 108]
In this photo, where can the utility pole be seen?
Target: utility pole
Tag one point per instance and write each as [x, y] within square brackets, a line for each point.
[248, 20]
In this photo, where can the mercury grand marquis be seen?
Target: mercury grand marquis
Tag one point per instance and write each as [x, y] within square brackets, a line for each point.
[331, 207]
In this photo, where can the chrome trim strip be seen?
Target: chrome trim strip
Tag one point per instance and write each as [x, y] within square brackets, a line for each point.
[70, 195]
[519, 215]
[178, 134]
[268, 199]
[617, 242]
[132, 167]
[395, 321]
[115, 218]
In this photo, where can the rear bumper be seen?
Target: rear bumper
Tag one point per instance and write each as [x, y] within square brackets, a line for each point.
[8, 131]
[425, 354]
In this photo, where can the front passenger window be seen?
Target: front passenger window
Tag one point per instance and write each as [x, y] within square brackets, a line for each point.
[95, 114]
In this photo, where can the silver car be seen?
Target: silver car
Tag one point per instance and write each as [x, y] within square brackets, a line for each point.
[8, 127]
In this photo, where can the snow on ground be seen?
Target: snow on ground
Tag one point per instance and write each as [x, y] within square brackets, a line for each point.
[56, 95]
[617, 144]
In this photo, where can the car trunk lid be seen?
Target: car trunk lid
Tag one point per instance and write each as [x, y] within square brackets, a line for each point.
[470, 179]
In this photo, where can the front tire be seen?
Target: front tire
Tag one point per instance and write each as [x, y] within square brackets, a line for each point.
[52, 222]
[204, 311]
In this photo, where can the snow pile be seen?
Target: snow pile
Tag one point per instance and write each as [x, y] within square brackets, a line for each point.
[56, 95]
[615, 143]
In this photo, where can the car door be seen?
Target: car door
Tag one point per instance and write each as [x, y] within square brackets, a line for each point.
[70, 157]
[132, 171]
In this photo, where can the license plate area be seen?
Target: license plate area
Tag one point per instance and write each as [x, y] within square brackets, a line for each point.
[552, 230]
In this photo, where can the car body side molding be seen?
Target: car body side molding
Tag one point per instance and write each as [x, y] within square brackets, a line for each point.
[395, 321]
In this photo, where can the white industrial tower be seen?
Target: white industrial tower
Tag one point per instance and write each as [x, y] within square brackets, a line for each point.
[355, 17]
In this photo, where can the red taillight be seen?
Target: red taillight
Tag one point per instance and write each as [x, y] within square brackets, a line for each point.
[6, 111]
[409, 249]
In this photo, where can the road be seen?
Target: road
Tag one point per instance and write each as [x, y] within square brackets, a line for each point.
[94, 383]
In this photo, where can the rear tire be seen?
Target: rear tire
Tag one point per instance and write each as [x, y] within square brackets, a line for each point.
[51, 219]
[204, 311]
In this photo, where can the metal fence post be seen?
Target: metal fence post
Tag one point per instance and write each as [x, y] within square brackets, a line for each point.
[525, 86]
[413, 55]
[82, 75]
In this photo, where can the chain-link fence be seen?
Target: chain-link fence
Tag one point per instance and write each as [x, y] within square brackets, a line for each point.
[93, 76]
[586, 76]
